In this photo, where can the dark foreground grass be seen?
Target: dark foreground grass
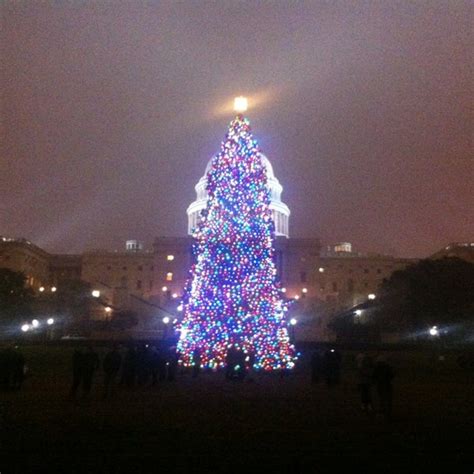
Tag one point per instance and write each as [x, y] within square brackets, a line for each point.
[216, 426]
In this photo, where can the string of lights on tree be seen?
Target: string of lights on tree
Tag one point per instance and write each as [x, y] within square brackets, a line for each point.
[232, 297]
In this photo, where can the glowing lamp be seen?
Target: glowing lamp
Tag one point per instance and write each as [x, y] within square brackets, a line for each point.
[305, 290]
[180, 307]
[371, 296]
[240, 104]
[174, 295]
[53, 289]
[293, 321]
[297, 297]
[108, 309]
[35, 323]
[166, 320]
[358, 312]
[283, 290]
[50, 321]
[164, 288]
[434, 331]
[321, 270]
[25, 327]
[41, 289]
[96, 293]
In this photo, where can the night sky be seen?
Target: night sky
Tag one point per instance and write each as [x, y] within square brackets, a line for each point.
[111, 111]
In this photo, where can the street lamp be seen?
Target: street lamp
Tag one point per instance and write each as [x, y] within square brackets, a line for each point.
[96, 293]
[166, 320]
[35, 323]
[434, 331]
[53, 289]
[371, 296]
[50, 321]
[25, 327]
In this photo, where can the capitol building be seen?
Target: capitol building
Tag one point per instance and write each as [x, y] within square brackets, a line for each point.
[280, 211]
[149, 282]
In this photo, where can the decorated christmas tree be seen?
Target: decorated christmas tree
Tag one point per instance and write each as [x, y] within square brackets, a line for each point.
[232, 299]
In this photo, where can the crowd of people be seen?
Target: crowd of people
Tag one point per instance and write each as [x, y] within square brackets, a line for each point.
[139, 365]
[378, 374]
[143, 364]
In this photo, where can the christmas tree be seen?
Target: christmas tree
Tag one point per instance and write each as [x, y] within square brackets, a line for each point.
[232, 298]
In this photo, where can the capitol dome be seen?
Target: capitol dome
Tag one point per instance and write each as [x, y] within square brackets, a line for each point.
[280, 210]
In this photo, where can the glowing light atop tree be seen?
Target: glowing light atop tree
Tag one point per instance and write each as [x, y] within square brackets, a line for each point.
[240, 104]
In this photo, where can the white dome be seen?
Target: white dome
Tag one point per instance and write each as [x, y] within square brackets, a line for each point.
[280, 210]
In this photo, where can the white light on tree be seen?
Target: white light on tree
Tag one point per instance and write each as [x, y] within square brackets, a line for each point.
[25, 327]
[50, 321]
[35, 323]
[180, 307]
[240, 104]
[371, 296]
[293, 321]
[166, 320]
[53, 289]
[283, 290]
[174, 295]
[41, 289]
[96, 293]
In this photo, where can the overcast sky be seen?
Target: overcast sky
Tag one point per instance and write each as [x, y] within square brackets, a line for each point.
[111, 110]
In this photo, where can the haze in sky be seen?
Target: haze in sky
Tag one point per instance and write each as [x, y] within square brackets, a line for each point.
[111, 111]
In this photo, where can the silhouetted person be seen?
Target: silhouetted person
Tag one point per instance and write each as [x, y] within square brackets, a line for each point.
[111, 365]
[155, 358]
[196, 362]
[90, 365]
[317, 364]
[17, 369]
[129, 369]
[365, 372]
[77, 370]
[332, 367]
[383, 376]
[172, 363]
[231, 361]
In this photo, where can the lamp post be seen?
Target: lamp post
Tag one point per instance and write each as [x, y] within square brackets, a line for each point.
[293, 322]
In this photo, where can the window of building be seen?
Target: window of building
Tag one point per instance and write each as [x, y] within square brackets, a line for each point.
[139, 284]
[303, 277]
[169, 276]
[366, 270]
[124, 268]
[334, 286]
[152, 268]
[109, 267]
[379, 271]
[170, 258]
[140, 267]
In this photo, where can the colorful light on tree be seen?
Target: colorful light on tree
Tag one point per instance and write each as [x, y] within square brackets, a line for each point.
[232, 296]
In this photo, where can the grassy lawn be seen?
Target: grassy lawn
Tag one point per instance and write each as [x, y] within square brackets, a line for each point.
[213, 425]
